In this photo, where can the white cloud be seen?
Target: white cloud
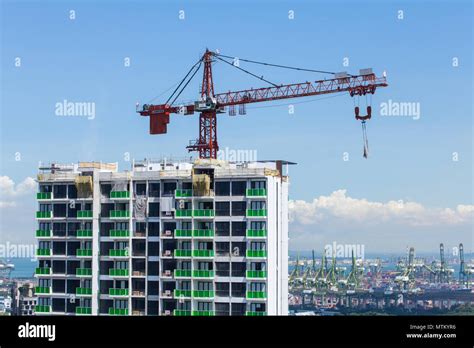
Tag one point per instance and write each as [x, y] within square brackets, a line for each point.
[347, 209]
[9, 191]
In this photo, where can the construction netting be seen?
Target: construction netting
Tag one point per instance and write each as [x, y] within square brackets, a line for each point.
[139, 208]
[84, 186]
[120, 186]
[201, 185]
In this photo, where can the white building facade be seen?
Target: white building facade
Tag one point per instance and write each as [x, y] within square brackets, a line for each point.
[166, 238]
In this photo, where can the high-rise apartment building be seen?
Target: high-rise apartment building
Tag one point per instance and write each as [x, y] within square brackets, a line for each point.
[166, 238]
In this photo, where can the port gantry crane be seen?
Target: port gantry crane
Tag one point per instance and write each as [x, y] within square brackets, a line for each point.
[210, 104]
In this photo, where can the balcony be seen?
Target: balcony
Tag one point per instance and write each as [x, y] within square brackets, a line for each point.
[183, 233]
[255, 314]
[118, 311]
[43, 233]
[42, 309]
[182, 273]
[43, 252]
[257, 254]
[118, 292]
[203, 293]
[119, 195]
[40, 196]
[203, 253]
[256, 212]
[43, 271]
[84, 291]
[183, 193]
[119, 233]
[181, 213]
[203, 233]
[252, 295]
[83, 272]
[118, 253]
[84, 252]
[258, 192]
[180, 313]
[42, 290]
[203, 274]
[119, 214]
[184, 253]
[181, 293]
[256, 233]
[84, 233]
[44, 214]
[203, 212]
[256, 274]
[118, 272]
[84, 214]
[203, 313]
[83, 310]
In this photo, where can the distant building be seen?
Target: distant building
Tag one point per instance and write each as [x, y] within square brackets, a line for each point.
[25, 301]
[203, 238]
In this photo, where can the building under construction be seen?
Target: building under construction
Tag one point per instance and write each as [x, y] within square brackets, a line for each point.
[197, 238]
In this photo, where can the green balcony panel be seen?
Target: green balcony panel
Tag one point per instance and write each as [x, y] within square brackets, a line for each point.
[83, 291]
[44, 214]
[119, 214]
[182, 253]
[203, 212]
[83, 310]
[84, 233]
[203, 253]
[118, 252]
[256, 212]
[203, 293]
[84, 214]
[83, 272]
[84, 252]
[259, 192]
[118, 311]
[43, 252]
[256, 253]
[180, 313]
[118, 272]
[182, 273]
[203, 274]
[181, 193]
[43, 233]
[42, 309]
[119, 233]
[119, 194]
[43, 270]
[183, 233]
[118, 292]
[255, 314]
[43, 195]
[203, 313]
[203, 233]
[256, 233]
[256, 274]
[256, 294]
[182, 293]
[42, 290]
[184, 213]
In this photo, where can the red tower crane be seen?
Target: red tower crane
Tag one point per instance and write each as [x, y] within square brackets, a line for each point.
[210, 104]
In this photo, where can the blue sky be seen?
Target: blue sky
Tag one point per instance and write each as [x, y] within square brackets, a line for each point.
[83, 60]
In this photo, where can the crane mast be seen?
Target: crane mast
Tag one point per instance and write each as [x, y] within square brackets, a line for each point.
[211, 104]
